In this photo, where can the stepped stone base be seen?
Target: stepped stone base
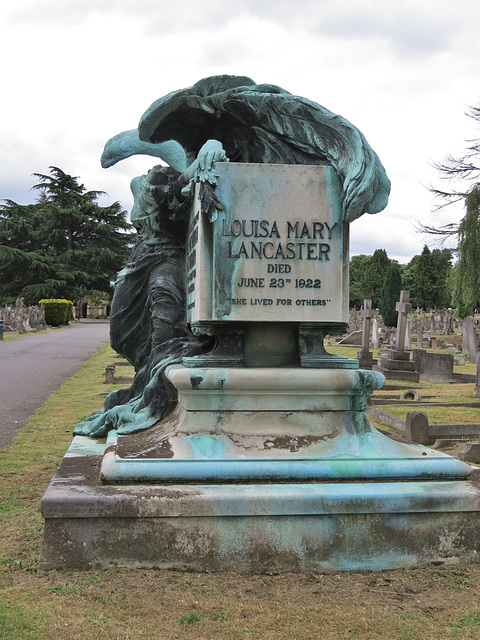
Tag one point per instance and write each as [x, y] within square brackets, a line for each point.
[397, 365]
[273, 470]
[319, 527]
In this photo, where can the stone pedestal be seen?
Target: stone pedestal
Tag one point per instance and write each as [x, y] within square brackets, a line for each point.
[304, 527]
[260, 470]
[269, 462]
[366, 360]
[397, 365]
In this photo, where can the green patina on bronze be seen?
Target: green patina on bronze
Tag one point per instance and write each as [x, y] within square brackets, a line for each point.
[264, 123]
[219, 118]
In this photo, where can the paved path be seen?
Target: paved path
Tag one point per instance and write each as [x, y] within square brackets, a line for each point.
[33, 366]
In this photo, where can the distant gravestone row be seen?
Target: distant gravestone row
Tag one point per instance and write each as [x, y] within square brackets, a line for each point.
[427, 328]
[442, 322]
[20, 318]
[396, 361]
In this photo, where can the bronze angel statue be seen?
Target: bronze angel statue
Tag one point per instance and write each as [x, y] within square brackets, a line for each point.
[218, 119]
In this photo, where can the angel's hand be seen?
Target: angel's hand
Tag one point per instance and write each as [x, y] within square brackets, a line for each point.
[212, 151]
[202, 169]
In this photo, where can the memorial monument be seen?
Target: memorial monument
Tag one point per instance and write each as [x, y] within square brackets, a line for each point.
[242, 444]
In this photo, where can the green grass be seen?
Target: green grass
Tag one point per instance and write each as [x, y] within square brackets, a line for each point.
[422, 604]
[440, 393]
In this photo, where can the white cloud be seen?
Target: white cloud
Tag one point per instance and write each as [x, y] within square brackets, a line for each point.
[76, 73]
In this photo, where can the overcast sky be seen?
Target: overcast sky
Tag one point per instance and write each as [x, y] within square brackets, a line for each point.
[76, 72]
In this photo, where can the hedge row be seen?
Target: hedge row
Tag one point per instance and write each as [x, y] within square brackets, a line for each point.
[57, 311]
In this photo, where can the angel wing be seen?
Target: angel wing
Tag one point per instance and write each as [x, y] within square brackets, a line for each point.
[127, 144]
[266, 124]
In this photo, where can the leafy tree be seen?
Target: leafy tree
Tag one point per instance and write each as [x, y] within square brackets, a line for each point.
[390, 295]
[441, 287]
[410, 279]
[358, 268]
[375, 275]
[464, 172]
[426, 277]
[466, 291]
[63, 245]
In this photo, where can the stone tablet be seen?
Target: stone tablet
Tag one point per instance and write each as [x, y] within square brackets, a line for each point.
[278, 251]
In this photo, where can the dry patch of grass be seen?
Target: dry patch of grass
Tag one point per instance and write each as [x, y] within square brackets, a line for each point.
[433, 392]
[438, 393]
[8, 335]
[130, 604]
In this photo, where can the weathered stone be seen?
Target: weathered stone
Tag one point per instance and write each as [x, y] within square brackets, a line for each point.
[411, 394]
[437, 367]
[417, 427]
[470, 342]
[276, 252]
[476, 391]
[365, 357]
[397, 364]
[403, 307]
[354, 338]
[110, 374]
[471, 453]
[341, 526]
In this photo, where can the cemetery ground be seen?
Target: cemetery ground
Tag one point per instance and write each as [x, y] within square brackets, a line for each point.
[438, 601]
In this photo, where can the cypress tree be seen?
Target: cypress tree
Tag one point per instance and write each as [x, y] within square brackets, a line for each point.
[392, 285]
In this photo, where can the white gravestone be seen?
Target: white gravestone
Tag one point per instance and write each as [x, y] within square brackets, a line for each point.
[408, 336]
[403, 307]
[375, 333]
[277, 253]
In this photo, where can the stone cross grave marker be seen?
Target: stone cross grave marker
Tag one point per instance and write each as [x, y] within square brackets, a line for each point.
[420, 336]
[403, 307]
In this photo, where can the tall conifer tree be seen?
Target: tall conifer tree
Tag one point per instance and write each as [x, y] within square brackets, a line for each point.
[392, 285]
[63, 245]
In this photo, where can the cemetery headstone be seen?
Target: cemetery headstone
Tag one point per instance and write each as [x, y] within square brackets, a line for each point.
[365, 356]
[408, 330]
[435, 367]
[476, 391]
[420, 329]
[470, 343]
[375, 332]
[19, 310]
[396, 362]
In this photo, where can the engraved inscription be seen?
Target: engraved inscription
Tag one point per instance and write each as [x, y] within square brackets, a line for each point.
[277, 252]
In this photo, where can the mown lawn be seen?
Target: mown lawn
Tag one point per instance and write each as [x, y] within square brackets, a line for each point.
[431, 603]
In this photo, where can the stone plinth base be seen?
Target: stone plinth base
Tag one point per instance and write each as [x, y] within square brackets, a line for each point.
[366, 360]
[398, 366]
[274, 470]
[269, 425]
[319, 527]
[407, 376]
